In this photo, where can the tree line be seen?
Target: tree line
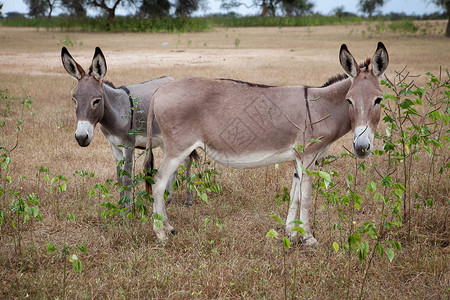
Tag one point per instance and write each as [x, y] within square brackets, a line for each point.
[165, 8]
[182, 8]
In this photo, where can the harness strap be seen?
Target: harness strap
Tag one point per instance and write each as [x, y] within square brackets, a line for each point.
[131, 104]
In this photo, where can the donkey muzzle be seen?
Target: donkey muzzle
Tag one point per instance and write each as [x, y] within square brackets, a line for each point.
[84, 133]
[362, 141]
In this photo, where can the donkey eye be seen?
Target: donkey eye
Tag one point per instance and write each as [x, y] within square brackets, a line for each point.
[95, 102]
[350, 102]
[378, 100]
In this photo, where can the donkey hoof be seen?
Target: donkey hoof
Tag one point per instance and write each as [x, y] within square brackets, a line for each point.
[161, 235]
[309, 241]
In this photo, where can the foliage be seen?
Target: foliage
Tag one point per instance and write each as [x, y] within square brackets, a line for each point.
[37, 8]
[154, 8]
[445, 5]
[369, 6]
[75, 8]
[186, 7]
[120, 24]
[297, 7]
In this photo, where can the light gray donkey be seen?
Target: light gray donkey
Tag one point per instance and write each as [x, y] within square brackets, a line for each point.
[244, 125]
[122, 113]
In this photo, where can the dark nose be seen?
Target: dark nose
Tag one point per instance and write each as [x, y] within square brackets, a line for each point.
[362, 152]
[82, 139]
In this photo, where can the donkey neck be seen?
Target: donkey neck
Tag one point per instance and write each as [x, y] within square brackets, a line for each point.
[117, 110]
[332, 108]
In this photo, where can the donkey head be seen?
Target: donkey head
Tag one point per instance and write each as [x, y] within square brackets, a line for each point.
[364, 96]
[88, 94]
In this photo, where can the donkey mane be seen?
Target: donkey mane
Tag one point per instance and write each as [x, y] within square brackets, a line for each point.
[109, 83]
[247, 83]
[332, 80]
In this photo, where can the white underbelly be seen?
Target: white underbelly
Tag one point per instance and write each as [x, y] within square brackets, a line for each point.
[251, 160]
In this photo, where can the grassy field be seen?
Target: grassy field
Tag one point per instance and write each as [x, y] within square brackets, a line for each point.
[221, 249]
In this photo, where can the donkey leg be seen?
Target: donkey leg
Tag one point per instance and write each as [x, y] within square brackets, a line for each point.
[189, 195]
[293, 206]
[308, 238]
[301, 189]
[169, 188]
[118, 156]
[161, 224]
[169, 185]
[127, 178]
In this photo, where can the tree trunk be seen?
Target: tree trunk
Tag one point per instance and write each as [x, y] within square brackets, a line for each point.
[264, 9]
[111, 14]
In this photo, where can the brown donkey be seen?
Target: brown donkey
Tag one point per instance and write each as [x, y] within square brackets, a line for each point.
[243, 125]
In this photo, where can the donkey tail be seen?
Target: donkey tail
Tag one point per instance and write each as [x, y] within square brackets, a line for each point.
[149, 162]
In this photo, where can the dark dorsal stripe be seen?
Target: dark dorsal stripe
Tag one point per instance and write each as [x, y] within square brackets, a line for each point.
[131, 104]
[247, 83]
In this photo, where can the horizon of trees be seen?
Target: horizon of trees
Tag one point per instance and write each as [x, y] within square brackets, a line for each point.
[177, 8]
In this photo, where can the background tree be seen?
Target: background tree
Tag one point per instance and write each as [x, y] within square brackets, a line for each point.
[267, 6]
[369, 6]
[297, 7]
[154, 8]
[186, 7]
[51, 5]
[40, 8]
[75, 8]
[109, 6]
[445, 4]
[1, 13]
[37, 8]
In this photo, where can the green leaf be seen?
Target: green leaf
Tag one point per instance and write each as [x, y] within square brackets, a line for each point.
[77, 266]
[379, 249]
[390, 254]
[286, 243]
[277, 218]
[204, 197]
[83, 249]
[50, 247]
[219, 224]
[299, 230]
[335, 247]
[350, 178]
[371, 186]
[363, 250]
[272, 233]
[326, 178]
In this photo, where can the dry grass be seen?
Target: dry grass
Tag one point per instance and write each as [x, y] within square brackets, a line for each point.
[123, 258]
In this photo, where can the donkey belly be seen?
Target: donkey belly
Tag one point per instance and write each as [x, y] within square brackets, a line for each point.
[251, 159]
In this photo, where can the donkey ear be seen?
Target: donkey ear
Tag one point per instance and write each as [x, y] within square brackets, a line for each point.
[71, 66]
[98, 65]
[348, 62]
[380, 60]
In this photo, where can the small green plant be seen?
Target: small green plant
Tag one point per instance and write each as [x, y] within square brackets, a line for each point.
[67, 41]
[68, 253]
[237, 42]
[416, 119]
[199, 182]
[404, 26]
